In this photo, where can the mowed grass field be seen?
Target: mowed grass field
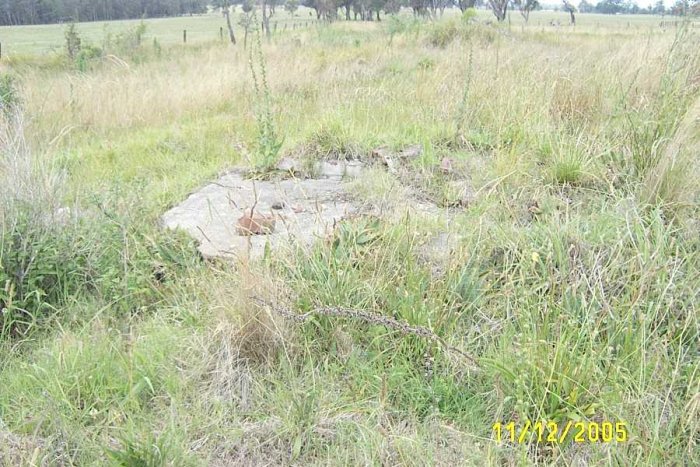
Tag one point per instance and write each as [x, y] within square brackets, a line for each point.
[554, 280]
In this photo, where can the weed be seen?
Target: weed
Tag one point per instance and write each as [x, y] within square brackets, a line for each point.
[462, 109]
[268, 142]
[150, 451]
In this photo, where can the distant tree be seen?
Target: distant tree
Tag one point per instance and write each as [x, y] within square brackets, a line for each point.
[499, 8]
[571, 9]
[378, 5]
[367, 10]
[291, 6]
[348, 5]
[438, 6]
[225, 7]
[525, 7]
[610, 7]
[685, 8]
[14, 12]
[325, 9]
[464, 5]
[585, 7]
[659, 8]
[246, 21]
[392, 7]
[273, 4]
[419, 7]
[267, 7]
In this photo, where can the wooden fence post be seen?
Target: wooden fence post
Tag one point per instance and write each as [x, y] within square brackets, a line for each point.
[184, 36]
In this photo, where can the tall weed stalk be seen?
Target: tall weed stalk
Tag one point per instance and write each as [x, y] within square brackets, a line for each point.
[268, 140]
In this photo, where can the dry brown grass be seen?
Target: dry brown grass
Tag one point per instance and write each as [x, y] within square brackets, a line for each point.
[247, 331]
[371, 83]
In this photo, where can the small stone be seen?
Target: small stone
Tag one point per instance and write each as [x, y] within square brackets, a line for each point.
[353, 169]
[331, 169]
[411, 152]
[277, 205]
[288, 165]
[384, 156]
[380, 153]
[258, 224]
[446, 165]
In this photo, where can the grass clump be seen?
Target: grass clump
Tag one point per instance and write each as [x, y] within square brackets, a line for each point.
[333, 140]
[443, 33]
[566, 162]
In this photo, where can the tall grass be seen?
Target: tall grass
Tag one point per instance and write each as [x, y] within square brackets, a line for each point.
[31, 273]
[29, 182]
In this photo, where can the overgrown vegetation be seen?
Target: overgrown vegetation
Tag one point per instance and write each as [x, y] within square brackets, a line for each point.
[52, 255]
[535, 258]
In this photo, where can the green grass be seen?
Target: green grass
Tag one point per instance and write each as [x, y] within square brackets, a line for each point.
[574, 290]
[43, 39]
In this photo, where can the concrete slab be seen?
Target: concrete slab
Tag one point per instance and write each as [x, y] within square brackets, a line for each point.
[304, 210]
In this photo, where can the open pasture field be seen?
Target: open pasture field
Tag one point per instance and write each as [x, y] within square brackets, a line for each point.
[204, 28]
[44, 39]
[524, 245]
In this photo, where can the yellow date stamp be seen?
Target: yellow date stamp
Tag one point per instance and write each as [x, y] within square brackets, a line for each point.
[557, 433]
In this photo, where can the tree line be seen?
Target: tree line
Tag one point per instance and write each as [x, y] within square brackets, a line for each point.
[16, 12]
[370, 9]
[612, 7]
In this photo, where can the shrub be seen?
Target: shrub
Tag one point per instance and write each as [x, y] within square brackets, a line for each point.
[87, 55]
[443, 33]
[73, 41]
[127, 43]
[9, 93]
[399, 25]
